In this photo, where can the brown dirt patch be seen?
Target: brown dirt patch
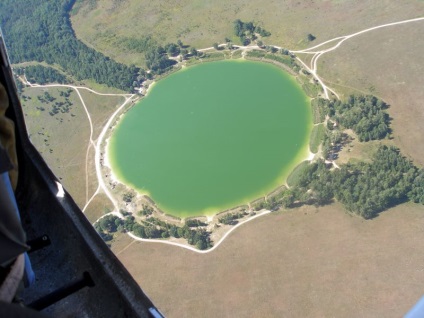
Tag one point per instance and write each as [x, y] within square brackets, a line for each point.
[304, 263]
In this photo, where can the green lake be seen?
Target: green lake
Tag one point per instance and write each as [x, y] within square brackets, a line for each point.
[213, 136]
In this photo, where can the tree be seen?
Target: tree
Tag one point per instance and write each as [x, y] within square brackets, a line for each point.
[180, 43]
[184, 52]
[259, 43]
[129, 223]
[172, 49]
[417, 190]
[173, 231]
[193, 51]
[108, 224]
[238, 27]
[138, 230]
[216, 46]
[287, 200]
[310, 37]
[46, 35]
[127, 197]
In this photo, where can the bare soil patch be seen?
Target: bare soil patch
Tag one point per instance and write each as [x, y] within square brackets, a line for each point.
[306, 262]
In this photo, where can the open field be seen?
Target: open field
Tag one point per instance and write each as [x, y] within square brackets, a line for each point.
[306, 262]
[387, 63]
[201, 23]
[317, 135]
[62, 139]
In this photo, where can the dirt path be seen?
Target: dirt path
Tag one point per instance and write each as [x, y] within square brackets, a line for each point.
[312, 67]
[96, 146]
[189, 247]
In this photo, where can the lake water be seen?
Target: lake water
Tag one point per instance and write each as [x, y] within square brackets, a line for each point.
[213, 136]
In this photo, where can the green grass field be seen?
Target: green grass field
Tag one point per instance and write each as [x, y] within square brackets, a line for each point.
[201, 23]
[293, 178]
[316, 138]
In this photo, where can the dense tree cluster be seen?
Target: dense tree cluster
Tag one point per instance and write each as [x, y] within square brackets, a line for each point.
[364, 188]
[364, 114]
[145, 210]
[231, 218]
[157, 60]
[152, 228]
[41, 31]
[155, 228]
[127, 197]
[42, 75]
[108, 225]
[247, 31]
[194, 223]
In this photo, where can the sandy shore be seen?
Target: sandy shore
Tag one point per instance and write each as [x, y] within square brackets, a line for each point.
[106, 163]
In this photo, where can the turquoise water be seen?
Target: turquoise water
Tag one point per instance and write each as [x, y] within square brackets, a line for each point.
[212, 136]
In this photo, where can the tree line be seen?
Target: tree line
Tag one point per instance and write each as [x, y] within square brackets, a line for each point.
[41, 31]
[364, 114]
[42, 75]
[153, 228]
[248, 31]
[364, 188]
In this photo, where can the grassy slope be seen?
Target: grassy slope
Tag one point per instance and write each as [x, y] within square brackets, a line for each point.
[201, 22]
[316, 138]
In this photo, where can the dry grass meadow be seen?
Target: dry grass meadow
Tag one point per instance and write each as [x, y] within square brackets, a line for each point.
[387, 63]
[63, 139]
[306, 262]
[201, 23]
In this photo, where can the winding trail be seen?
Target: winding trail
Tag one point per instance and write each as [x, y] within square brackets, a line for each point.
[312, 68]
[188, 247]
[96, 146]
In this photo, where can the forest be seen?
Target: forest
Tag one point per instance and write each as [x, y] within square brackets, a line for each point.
[42, 75]
[364, 114]
[365, 188]
[41, 31]
[248, 31]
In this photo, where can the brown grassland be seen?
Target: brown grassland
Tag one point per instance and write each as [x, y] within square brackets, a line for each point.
[67, 139]
[67, 136]
[306, 262]
[387, 63]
